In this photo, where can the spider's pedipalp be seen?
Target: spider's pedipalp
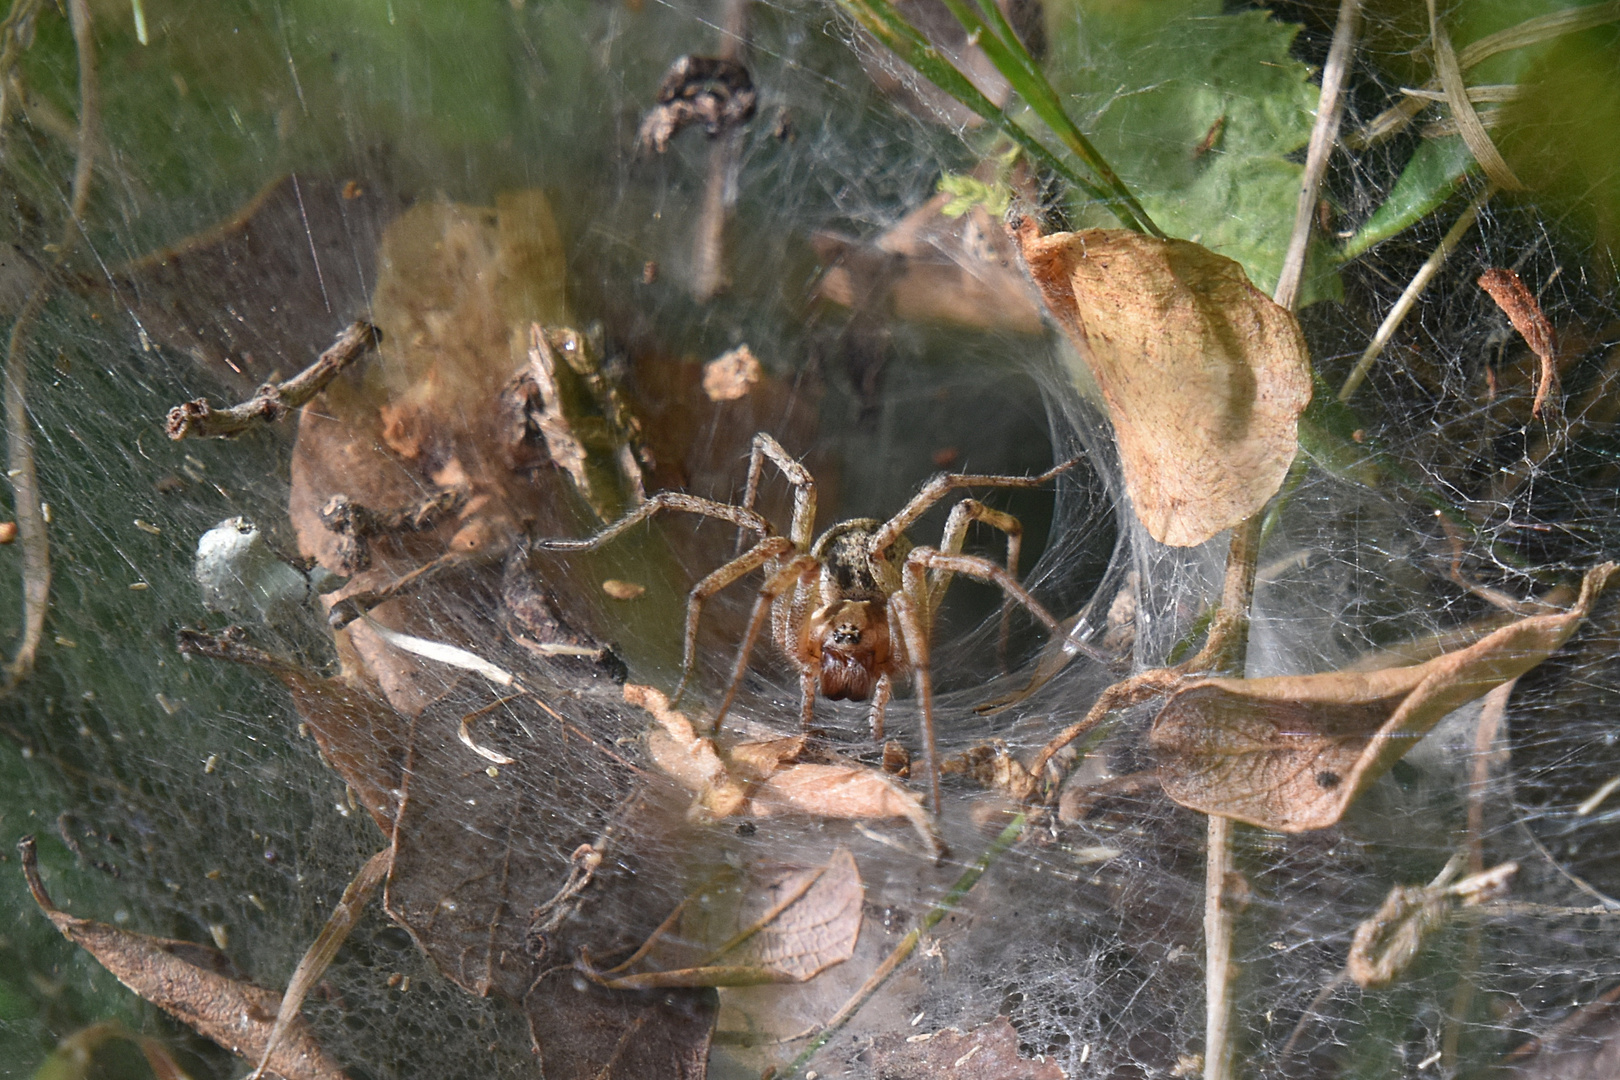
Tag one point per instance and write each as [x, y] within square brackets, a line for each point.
[665, 500]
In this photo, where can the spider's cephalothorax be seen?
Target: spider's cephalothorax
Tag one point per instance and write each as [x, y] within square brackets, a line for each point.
[853, 608]
[848, 635]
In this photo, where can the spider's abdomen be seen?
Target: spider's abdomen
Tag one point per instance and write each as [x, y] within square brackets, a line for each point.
[847, 568]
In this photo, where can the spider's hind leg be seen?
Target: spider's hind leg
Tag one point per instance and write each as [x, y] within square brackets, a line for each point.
[956, 527]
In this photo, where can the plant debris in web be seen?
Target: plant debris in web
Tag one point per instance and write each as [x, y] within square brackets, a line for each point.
[1291, 752]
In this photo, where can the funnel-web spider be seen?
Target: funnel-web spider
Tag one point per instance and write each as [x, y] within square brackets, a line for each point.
[854, 607]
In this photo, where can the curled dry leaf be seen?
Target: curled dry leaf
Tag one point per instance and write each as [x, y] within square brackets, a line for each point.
[1203, 375]
[565, 397]
[1387, 943]
[992, 766]
[988, 1052]
[1291, 753]
[810, 921]
[1525, 314]
[191, 983]
[763, 778]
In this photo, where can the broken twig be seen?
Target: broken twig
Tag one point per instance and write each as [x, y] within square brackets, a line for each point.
[198, 419]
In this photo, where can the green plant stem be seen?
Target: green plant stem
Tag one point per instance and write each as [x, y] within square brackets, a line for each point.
[884, 22]
[891, 963]
[1004, 49]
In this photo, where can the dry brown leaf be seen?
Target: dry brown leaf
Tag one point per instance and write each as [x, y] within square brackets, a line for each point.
[810, 921]
[1291, 753]
[189, 982]
[361, 738]
[1203, 375]
[763, 778]
[988, 1052]
[1527, 318]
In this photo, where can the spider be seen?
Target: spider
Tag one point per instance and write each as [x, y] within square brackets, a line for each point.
[853, 608]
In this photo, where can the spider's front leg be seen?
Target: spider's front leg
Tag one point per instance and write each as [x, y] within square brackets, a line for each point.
[772, 547]
[915, 612]
[788, 576]
[803, 527]
[665, 500]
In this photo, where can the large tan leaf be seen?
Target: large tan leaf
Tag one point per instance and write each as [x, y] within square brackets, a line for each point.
[1203, 375]
[1291, 753]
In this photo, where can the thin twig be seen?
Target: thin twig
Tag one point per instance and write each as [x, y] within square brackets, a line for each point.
[1413, 290]
[198, 419]
[1218, 923]
[20, 464]
[710, 277]
[13, 32]
[1491, 715]
[1325, 132]
[1226, 651]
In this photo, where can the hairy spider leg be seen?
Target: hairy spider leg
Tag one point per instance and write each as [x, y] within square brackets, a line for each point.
[772, 547]
[943, 484]
[881, 693]
[666, 500]
[803, 526]
[916, 622]
[785, 577]
[956, 527]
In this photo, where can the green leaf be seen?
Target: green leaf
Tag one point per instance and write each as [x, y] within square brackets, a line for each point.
[1427, 181]
[1149, 96]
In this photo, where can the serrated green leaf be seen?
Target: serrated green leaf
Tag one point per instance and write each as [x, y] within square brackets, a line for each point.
[1150, 95]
